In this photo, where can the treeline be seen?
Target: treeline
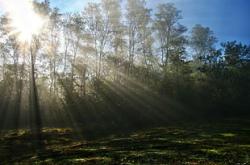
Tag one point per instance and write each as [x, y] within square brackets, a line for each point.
[115, 67]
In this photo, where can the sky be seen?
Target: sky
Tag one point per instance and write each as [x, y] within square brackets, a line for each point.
[229, 19]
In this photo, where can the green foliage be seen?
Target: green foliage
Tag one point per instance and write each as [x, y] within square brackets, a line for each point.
[234, 52]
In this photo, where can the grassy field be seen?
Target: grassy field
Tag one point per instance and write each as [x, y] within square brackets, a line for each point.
[226, 142]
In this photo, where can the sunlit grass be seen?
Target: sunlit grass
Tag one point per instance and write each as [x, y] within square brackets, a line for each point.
[211, 151]
[163, 145]
[228, 134]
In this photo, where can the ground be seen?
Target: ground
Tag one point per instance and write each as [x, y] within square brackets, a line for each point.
[200, 143]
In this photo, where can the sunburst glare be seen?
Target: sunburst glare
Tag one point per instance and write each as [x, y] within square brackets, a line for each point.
[24, 21]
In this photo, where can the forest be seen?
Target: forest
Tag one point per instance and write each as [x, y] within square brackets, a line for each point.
[120, 83]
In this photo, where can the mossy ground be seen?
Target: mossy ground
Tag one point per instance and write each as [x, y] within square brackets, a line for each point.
[215, 143]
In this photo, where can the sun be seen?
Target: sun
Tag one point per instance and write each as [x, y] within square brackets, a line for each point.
[24, 21]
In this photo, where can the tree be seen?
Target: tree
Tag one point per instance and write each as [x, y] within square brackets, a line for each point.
[203, 43]
[76, 28]
[35, 117]
[168, 30]
[53, 45]
[4, 51]
[98, 31]
[139, 40]
[117, 42]
[234, 52]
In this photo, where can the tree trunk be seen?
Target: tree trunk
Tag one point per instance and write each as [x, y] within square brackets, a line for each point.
[36, 123]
